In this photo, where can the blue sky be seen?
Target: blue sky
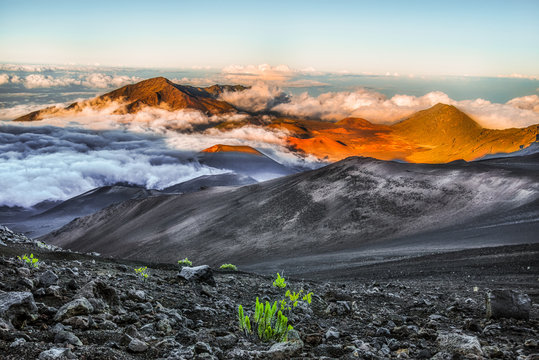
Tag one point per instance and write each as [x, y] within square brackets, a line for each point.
[485, 38]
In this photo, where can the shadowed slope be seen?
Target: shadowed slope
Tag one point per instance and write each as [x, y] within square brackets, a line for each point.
[346, 205]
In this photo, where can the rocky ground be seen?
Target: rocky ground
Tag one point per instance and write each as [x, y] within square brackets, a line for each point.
[77, 306]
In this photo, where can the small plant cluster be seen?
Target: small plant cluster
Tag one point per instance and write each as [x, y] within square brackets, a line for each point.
[279, 282]
[292, 299]
[184, 262]
[30, 260]
[229, 267]
[268, 323]
[141, 272]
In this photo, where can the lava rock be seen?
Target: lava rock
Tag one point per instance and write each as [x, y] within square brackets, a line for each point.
[508, 304]
[66, 337]
[137, 346]
[56, 353]
[202, 273]
[17, 306]
[48, 278]
[76, 307]
[457, 343]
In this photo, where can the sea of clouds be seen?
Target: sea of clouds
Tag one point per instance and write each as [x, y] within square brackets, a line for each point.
[61, 157]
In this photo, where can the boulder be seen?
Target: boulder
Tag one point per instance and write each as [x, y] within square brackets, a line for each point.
[508, 304]
[48, 278]
[202, 273]
[137, 346]
[457, 343]
[76, 307]
[17, 306]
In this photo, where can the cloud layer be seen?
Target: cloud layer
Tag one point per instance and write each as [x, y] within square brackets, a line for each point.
[378, 108]
[92, 80]
[42, 163]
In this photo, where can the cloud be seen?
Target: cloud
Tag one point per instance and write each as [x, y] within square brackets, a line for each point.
[260, 97]
[92, 80]
[520, 76]
[530, 102]
[377, 108]
[4, 79]
[41, 163]
[102, 81]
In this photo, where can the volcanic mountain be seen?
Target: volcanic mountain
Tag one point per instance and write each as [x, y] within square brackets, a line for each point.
[156, 92]
[439, 134]
[346, 206]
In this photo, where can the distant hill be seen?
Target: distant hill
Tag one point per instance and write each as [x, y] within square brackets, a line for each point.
[156, 92]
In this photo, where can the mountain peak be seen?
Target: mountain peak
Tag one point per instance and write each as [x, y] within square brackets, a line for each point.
[232, 148]
[158, 92]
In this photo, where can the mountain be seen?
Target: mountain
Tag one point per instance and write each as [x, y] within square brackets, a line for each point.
[156, 92]
[78, 206]
[439, 134]
[245, 161]
[354, 204]
[232, 148]
[208, 181]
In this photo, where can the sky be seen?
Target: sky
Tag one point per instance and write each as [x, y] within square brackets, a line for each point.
[480, 38]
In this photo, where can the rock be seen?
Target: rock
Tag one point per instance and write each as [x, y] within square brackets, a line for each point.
[48, 278]
[201, 273]
[285, 350]
[17, 307]
[508, 304]
[17, 342]
[137, 346]
[458, 343]
[56, 353]
[333, 350]
[226, 341]
[66, 337]
[382, 332]
[332, 333]
[164, 326]
[201, 347]
[76, 307]
[136, 295]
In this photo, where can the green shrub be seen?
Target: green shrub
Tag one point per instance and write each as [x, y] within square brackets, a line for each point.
[141, 272]
[30, 261]
[229, 267]
[185, 262]
[268, 323]
[292, 299]
[279, 282]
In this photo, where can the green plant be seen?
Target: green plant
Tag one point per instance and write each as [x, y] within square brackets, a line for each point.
[141, 271]
[268, 323]
[229, 267]
[279, 282]
[185, 262]
[30, 261]
[294, 298]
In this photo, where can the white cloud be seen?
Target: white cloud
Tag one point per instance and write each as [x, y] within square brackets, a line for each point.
[102, 81]
[530, 102]
[45, 81]
[520, 76]
[259, 97]
[4, 79]
[377, 108]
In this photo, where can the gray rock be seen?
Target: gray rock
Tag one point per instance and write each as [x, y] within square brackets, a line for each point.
[202, 273]
[226, 341]
[457, 343]
[285, 350]
[508, 304]
[201, 347]
[136, 295]
[66, 337]
[332, 333]
[48, 278]
[56, 353]
[17, 307]
[76, 307]
[17, 342]
[137, 346]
